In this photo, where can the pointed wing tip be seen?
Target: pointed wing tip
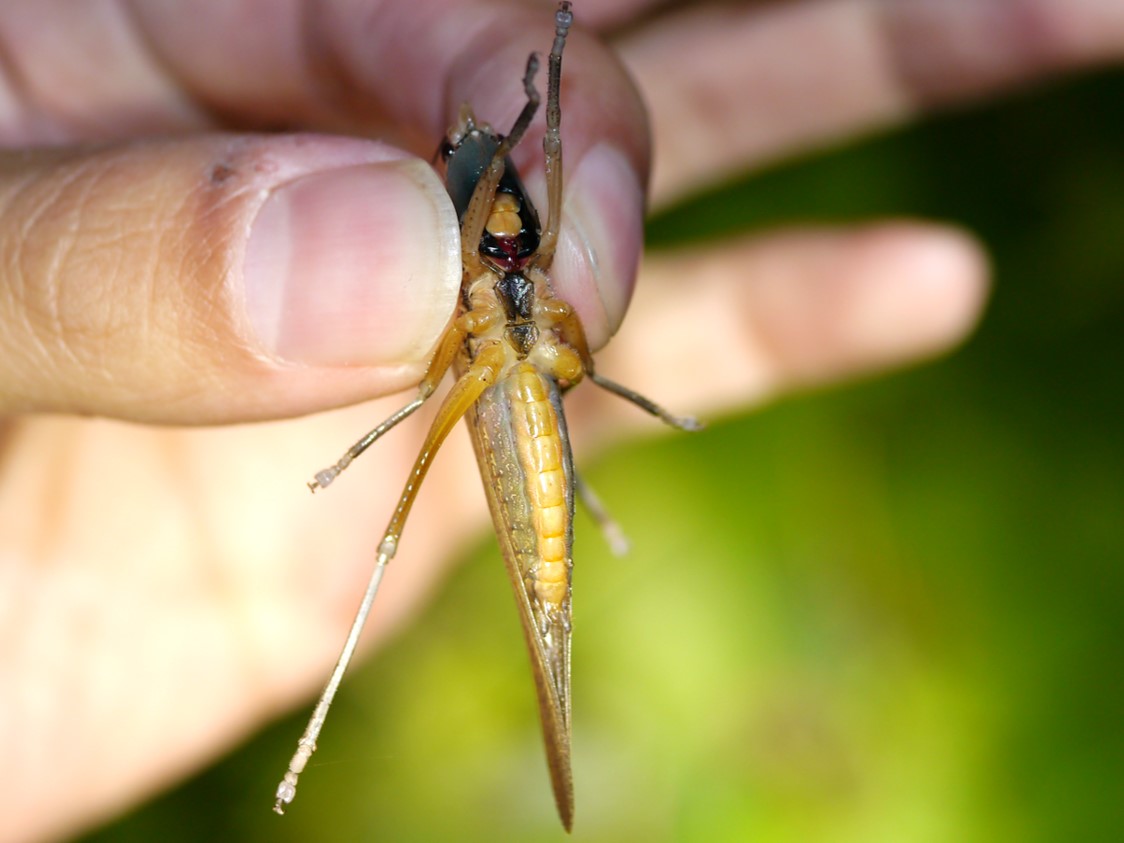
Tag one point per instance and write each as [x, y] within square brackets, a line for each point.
[562, 783]
[566, 813]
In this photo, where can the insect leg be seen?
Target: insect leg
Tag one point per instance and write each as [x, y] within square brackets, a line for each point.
[438, 365]
[610, 529]
[689, 423]
[480, 375]
[483, 195]
[571, 332]
[552, 140]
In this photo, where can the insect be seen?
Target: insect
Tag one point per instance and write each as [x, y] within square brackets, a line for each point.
[515, 348]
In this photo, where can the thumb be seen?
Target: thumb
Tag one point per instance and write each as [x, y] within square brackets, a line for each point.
[220, 278]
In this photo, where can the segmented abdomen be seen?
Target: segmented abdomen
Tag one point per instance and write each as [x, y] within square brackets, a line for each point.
[540, 453]
[519, 434]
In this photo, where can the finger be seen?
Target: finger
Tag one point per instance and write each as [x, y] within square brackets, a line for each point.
[754, 83]
[399, 68]
[768, 314]
[220, 279]
[606, 14]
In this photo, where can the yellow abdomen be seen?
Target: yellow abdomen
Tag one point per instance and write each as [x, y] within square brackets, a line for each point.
[540, 452]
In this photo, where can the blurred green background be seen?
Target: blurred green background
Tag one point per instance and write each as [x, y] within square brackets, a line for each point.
[885, 611]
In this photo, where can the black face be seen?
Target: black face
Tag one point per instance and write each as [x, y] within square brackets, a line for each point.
[464, 165]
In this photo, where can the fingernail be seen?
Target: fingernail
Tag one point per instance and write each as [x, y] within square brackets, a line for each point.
[353, 266]
[605, 218]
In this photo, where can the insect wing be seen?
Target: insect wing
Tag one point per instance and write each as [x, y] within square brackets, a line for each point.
[500, 437]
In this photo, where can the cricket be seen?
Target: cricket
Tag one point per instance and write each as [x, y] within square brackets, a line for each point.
[515, 348]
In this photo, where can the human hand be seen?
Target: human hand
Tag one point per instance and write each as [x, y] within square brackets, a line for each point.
[157, 595]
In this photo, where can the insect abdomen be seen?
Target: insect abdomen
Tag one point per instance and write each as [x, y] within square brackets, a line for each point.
[540, 452]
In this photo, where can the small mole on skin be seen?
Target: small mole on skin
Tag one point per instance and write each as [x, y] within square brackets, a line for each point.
[221, 172]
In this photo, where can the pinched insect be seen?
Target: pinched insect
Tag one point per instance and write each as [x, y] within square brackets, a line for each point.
[515, 348]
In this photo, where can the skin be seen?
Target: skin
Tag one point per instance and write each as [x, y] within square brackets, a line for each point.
[167, 583]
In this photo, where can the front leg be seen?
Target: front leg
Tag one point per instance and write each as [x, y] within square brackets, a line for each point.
[484, 194]
[473, 322]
